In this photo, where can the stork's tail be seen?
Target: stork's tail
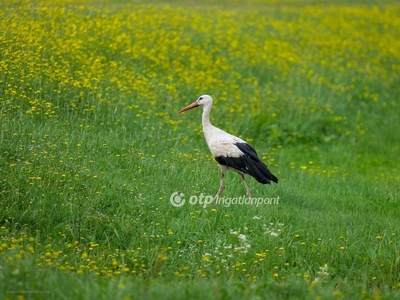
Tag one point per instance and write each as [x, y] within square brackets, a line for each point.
[261, 173]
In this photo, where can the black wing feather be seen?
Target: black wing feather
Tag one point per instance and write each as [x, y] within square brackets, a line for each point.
[248, 163]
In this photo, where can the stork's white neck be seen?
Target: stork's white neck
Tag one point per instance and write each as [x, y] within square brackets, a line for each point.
[207, 126]
[206, 116]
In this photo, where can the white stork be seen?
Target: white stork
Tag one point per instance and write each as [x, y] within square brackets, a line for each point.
[231, 152]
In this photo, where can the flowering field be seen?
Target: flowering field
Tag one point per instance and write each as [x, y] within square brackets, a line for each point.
[92, 149]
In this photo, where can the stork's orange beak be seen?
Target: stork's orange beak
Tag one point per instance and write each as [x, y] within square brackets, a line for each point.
[190, 106]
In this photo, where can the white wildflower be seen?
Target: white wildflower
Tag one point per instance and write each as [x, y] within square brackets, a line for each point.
[323, 271]
[322, 274]
[242, 237]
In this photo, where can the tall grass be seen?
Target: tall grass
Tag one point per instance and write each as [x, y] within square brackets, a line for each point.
[92, 150]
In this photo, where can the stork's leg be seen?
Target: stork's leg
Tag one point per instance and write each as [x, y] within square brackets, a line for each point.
[247, 187]
[221, 185]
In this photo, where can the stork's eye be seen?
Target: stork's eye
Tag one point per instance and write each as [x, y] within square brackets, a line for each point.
[201, 98]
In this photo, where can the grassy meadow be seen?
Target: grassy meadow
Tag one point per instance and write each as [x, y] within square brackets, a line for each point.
[92, 148]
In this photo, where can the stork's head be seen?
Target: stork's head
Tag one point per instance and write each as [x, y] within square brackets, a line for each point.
[202, 100]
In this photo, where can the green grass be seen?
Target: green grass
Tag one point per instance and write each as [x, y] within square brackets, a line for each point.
[92, 149]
